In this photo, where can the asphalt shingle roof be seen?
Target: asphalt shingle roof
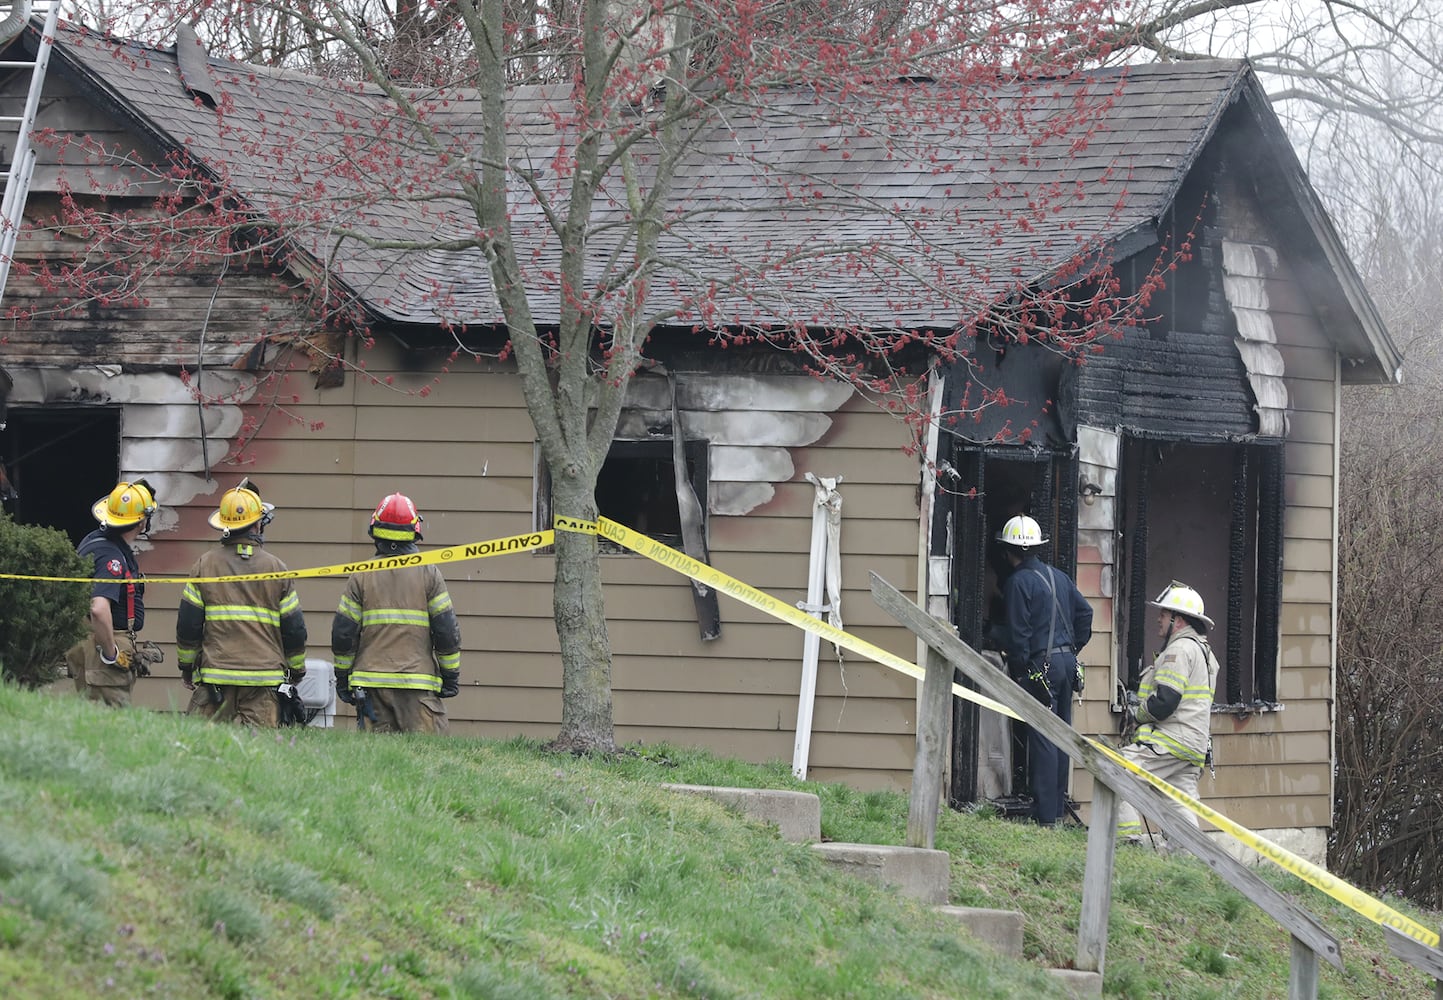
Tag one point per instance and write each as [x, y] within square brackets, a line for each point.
[879, 215]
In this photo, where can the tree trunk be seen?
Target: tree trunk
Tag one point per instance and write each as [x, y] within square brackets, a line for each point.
[577, 599]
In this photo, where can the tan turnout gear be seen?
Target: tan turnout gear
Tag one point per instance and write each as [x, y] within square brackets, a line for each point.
[246, 633]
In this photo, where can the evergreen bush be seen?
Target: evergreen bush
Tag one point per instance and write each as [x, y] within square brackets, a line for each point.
[39, 621]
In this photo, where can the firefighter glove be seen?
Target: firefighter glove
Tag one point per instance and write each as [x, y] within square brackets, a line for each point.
[343, 687]
[1080, 681]
[450, 683]
[187, 677]
[122, 658]
[1137, 708]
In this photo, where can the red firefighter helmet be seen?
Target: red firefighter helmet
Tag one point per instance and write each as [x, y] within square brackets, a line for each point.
[396, 520]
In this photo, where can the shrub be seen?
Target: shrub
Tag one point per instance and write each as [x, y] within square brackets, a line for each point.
[38, 620]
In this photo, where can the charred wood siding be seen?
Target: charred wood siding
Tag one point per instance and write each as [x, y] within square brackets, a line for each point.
[204, 316]
[1186, 385]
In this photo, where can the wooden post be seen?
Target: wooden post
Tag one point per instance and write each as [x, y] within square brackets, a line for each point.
[1097, 880]
[934, 728]
[1303, 973]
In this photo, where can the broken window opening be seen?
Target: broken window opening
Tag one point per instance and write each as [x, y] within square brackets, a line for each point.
[637, 488]
[1208, 514]
[59, 459]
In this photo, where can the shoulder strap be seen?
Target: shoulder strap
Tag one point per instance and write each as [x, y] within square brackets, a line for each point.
[1052, 618]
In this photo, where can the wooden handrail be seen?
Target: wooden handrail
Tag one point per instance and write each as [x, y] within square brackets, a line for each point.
[1306, 931]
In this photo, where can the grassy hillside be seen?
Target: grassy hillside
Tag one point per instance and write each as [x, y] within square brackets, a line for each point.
[151, 855]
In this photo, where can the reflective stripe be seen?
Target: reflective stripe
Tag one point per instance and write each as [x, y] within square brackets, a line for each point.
[242, 613]
[394, 616]
[290, 603]
[185, 657]
[393, 534]
[349, 608]
[297, 661]
[441, 602]
[191, 594]
[344, 660]
[449, 661]
[413, 682]
[243, 678]
[1158, 738]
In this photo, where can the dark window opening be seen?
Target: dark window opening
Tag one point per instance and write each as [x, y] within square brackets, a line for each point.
[1208, 515]
[637, 487]
[60, 460]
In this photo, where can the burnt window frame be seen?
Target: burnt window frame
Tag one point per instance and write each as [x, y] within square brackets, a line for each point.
[628, 451]
[1254, 566]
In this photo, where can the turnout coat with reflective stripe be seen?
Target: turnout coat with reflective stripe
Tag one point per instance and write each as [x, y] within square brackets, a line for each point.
[244, 633]
[1186, 665]
[389, 624]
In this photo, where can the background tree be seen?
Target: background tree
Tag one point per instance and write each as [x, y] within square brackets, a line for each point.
[1389, 800]
[588, 245]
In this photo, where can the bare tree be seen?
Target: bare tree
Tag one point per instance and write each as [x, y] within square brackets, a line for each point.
[1389, 799]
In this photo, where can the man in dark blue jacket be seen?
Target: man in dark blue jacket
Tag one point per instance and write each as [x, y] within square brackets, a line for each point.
[1048, 623]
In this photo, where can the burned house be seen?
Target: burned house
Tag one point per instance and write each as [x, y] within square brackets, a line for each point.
[1200, 445]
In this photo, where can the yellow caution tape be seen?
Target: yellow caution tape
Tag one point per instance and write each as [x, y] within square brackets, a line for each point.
[1320, 878]
[1350, 896]
[452, 553]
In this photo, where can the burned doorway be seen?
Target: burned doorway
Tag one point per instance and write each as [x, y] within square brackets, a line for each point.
[60, 460]
[1208, 514]
[991, 485]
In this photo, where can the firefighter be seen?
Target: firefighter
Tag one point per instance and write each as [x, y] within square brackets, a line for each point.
[238, 640]
[1047, 622]
[395, 637]
[104, 665]
[1173, 703]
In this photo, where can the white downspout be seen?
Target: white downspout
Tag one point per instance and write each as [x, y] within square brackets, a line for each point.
[826, 551]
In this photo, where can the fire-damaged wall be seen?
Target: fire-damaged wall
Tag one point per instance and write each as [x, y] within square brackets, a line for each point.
[73, 431]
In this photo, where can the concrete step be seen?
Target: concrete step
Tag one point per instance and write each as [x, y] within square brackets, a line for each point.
[796, 815]
[916, 872]
[1082, 984]
[1000, 930]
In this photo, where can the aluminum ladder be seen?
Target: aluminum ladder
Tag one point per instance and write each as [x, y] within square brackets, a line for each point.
[22, 162]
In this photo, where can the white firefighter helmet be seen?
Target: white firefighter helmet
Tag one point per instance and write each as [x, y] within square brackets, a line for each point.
[1021, 531]
[1184, 600]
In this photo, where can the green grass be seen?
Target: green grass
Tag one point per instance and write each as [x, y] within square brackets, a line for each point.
[145, 854]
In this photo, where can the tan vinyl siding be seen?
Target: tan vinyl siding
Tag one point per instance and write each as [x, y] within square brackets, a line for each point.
[466, 454]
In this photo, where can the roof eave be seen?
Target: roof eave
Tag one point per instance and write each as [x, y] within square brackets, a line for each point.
[1382, 365]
